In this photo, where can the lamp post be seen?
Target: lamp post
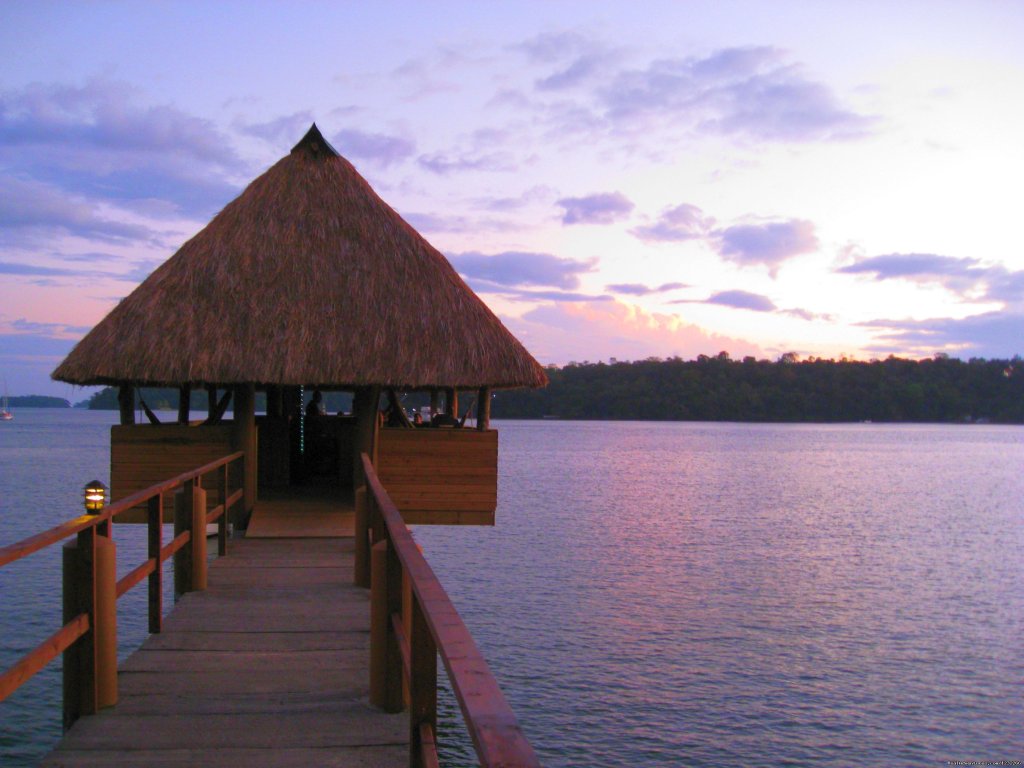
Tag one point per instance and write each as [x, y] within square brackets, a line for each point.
[95, 497]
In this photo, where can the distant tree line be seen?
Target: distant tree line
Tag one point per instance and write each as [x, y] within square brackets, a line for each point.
[166, 399]
[38, 401]
[939, 389]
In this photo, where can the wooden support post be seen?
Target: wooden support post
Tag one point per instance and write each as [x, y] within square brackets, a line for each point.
[385, 656]
[198, 539]
[126, 403]
[378, 624]
[211, 401]
[184, 402]
[395, 666]
[90, 587]
[156, 581]
[451, 398]
[362, 539]
[365, 404]
[80, 658]
[245, 440]
[275, 402]
[483, 409]
[422, 684]
[105, 624]
[222, 521]
[183, 501]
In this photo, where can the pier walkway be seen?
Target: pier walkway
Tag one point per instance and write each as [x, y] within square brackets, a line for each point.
[266, 667]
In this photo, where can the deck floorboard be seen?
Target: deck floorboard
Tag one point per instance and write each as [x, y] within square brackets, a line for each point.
[267, 667]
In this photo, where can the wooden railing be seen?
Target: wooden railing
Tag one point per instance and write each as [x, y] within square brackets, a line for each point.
[88, 638]
[411, 622]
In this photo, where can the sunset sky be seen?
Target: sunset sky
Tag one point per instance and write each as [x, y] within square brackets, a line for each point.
[615, 179]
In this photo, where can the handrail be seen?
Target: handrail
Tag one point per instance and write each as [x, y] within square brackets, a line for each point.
[492, 726]
[32, 544]
[83, 624]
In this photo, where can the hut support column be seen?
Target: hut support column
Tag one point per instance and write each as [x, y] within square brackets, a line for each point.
[245, 440]
[126, 403]
[184, 402]
[364, 405]
[451, 397]
[483, 409]
[211, 401]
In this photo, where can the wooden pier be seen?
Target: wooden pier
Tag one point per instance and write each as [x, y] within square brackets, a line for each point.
[307, 283]
[267, 667]
[276, 654]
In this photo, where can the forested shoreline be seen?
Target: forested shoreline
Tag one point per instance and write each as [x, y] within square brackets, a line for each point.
[939, 389]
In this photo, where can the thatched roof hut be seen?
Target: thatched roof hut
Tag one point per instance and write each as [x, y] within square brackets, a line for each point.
[307, 278]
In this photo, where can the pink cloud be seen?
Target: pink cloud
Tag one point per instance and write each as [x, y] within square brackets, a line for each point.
[600, 330]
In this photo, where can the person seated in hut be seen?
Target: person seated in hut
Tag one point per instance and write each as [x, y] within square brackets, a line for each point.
[417, 419]
[315, 408]
[444, 420]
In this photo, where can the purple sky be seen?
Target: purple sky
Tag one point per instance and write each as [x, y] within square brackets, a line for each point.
[827, 179]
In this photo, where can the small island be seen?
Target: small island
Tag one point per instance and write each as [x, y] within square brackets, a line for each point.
[37, 401]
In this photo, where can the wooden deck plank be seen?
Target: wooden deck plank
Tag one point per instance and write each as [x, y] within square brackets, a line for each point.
[267, 667]
[335, 757]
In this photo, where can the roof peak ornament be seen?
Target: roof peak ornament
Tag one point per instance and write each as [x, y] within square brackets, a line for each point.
[315, 144]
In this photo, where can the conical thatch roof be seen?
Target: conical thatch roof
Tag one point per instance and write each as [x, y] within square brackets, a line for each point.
[307, 277]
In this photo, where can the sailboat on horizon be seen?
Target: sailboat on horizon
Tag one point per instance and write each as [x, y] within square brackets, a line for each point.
[5, 412]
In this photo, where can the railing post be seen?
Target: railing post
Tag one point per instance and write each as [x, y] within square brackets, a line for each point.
[183, 502]
[198, 538]
[362, 542]
[155, 508]
[90, 587]
[79, 659]
[222, 521]
[385, 657]
[106, 621]
[422, 684]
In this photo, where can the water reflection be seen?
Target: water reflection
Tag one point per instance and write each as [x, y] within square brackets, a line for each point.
[667, 594]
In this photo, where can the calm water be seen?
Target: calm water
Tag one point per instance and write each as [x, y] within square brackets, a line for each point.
[679, 594]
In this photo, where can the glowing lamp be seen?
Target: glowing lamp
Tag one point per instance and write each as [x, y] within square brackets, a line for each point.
[95, 497]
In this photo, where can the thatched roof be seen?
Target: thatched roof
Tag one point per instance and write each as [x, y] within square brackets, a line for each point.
[308, 277]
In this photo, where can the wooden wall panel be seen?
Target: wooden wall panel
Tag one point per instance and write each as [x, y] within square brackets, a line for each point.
[143, 454]
[440, 476]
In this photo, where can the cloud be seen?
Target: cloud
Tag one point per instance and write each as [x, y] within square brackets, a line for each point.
[96, 140]
[429, 222]
[549, 47]
[677, 224]
[751, 92]
[601, 208]
[989, 335]
[804, 314]
[50, 330]
[742, 300]
[559, 333]
[535, 194]
[579, 71]
[518, 268]
[639, 289]
[515, 293]
[279, 130]
[444, 164]
[966, 277]
[33, 208]
[379, 148]
[770, 243]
